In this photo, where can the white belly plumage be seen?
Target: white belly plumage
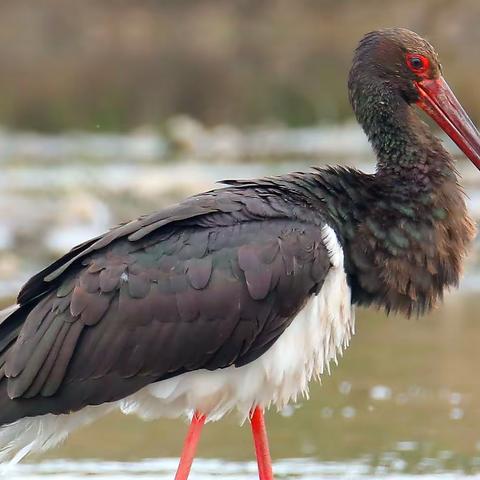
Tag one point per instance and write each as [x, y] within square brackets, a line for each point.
[320, 331]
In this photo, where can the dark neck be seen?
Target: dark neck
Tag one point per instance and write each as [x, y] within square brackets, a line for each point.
[405, 229]
[406, 149]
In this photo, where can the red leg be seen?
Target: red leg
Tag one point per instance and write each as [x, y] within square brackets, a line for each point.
[189, 447]
[261, 445]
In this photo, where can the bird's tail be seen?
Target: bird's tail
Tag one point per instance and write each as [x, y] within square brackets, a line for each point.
[41, 433]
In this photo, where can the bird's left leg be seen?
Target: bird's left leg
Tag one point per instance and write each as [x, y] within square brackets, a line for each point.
[260, 439]
[190, 446]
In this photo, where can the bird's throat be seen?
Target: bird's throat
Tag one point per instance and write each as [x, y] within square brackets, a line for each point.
[404, 145]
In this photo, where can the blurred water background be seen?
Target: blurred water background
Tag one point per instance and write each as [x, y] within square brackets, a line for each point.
[113, 109]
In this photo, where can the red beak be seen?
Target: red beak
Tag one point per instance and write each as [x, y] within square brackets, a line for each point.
[440, 103]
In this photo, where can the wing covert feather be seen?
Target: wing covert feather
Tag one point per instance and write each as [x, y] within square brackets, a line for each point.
[141, 313]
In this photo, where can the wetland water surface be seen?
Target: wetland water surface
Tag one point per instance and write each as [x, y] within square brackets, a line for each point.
[404, 401]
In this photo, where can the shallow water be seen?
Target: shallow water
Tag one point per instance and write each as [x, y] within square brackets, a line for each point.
[403, 403]
[164, 469]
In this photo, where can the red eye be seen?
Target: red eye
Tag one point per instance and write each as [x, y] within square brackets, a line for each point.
[417, 63]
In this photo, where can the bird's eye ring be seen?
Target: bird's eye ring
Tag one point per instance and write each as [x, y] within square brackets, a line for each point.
[417, 63]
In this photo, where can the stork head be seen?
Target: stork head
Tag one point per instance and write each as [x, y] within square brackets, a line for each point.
[407, 66]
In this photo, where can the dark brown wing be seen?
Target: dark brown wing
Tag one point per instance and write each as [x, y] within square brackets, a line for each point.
[183, 296]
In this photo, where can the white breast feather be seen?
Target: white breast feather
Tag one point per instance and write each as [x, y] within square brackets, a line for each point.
[320, 331]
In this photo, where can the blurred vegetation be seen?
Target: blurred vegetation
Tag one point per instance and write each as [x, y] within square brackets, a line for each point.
[117, 65]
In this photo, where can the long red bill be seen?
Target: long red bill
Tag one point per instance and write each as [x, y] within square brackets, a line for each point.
[438, 101]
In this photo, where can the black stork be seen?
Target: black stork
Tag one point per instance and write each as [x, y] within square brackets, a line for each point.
[234, 299]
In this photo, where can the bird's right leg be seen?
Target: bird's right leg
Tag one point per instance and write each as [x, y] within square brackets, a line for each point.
[260, 439]
[190, 446]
